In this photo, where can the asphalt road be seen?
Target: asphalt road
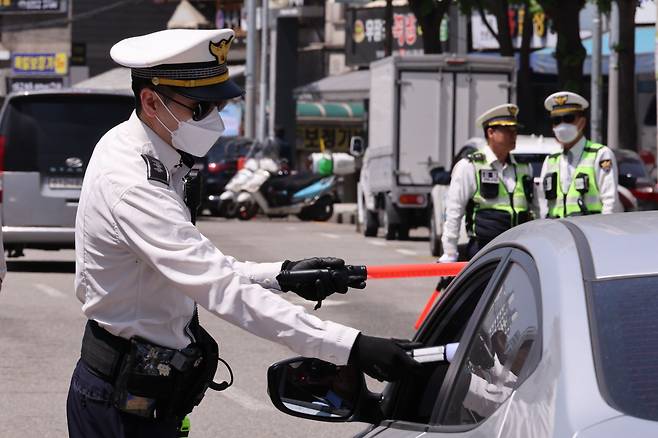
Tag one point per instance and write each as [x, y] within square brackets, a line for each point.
[41, 326]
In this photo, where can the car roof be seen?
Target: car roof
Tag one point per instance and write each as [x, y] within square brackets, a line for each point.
[626, 154]
[621, 244]
[63, 91]
[536, 144]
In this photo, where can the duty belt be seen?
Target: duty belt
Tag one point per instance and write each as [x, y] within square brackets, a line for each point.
[102, 351]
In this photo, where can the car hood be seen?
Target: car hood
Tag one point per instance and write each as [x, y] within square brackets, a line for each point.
[619, 427]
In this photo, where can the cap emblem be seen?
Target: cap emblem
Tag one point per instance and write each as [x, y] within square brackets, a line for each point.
[560, 100]
[513, 110]
[220, 50]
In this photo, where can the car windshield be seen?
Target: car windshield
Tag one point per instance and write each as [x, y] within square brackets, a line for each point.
[42, 131]
[534, 160]
[625, 339]
[633, 168]
[229, 148]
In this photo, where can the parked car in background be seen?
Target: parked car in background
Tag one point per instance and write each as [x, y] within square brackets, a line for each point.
[553, 322]
[219, 166]
[46, 140]
[637, 190]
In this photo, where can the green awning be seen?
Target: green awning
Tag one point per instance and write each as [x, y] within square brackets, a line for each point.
[330, 111]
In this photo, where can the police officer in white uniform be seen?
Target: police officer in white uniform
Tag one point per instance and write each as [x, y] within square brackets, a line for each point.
[488, 187]
[142, 266]
[583, 178]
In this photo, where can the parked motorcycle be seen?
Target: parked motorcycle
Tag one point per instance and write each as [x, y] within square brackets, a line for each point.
[265, 186]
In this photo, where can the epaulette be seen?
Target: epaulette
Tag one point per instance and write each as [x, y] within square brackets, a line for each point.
[155, 170]
[591, 150]
[555, 155]
[476, 156]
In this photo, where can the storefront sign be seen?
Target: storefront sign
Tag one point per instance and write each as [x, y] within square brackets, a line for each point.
[31, 6]
[336, 138]
[15, 84]
[366, 31]
[39, 63]
[542, 36]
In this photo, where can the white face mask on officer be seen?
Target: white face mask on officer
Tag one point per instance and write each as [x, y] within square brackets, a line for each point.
[195, 137]
[566, 132]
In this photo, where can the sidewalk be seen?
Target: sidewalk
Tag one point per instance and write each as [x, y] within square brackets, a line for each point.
[344, 214]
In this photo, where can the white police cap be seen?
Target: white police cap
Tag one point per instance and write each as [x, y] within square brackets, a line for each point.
[501, 115]
[564, 102]
[192, 62]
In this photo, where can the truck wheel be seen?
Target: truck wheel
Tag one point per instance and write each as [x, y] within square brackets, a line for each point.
[230, 209]
[435, 240]
[371, 224]
[391, 221]
[403, 232]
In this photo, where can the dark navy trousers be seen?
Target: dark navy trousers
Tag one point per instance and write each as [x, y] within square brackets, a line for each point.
[90, 413]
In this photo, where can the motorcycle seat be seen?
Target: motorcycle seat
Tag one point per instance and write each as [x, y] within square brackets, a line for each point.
[293, 183]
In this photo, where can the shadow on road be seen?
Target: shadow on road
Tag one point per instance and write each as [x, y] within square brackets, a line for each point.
[67, 267]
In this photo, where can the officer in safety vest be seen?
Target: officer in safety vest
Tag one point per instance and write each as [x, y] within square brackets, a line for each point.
[582, 179]
[493, 191]
[142, 267]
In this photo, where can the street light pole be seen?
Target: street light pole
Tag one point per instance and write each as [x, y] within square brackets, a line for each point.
[262, 101]
[613, 78]
[250, 69]
[596, 83]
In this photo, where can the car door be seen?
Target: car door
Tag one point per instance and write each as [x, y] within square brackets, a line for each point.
[493, 311]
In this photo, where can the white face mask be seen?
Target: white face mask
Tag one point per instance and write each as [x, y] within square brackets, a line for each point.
[566, 132]
[195, 137]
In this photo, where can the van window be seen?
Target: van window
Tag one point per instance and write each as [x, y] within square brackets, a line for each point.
[43, 130]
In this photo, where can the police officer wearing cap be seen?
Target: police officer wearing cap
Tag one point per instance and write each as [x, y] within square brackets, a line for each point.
[493, 191]
[142, 267]
[583, 178]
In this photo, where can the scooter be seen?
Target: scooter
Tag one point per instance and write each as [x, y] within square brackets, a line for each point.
[309, 196]
[256, 159]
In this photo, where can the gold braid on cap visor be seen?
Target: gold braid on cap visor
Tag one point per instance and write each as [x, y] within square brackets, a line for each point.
[190, 83]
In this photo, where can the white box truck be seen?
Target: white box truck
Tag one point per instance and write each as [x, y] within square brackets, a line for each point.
[422, 109]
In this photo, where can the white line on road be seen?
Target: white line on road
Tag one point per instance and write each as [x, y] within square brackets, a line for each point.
[330, 236]
[245, 400]
[406, 252]
[376, 242]
[50, 291]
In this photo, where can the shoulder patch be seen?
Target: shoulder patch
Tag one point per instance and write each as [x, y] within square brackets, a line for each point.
[605, 165]
[476, 156]
[155, 170]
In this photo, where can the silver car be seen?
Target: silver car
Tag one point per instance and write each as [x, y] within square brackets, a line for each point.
[556, 332]
[46, 140]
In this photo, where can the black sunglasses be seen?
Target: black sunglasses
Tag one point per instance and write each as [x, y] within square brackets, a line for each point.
[199, 109]
[567, 118]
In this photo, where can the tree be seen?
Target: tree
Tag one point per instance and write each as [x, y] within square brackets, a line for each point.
[626, 90]
[429, 14]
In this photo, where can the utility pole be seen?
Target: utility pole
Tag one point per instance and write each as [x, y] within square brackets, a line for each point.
[263, 79]
[613, 78]
[596, 79]
[250, 69]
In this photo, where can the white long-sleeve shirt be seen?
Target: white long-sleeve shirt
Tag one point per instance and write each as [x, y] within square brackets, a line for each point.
[463, 186]
[606, 180]
[141, 264]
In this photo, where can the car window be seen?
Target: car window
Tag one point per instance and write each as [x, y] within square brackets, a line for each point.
[625, 340]
[501, 353]
[42, 131]
[414, 397]
[536, 161]
[632, 167]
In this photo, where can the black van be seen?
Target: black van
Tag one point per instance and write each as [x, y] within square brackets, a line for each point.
[46, 141]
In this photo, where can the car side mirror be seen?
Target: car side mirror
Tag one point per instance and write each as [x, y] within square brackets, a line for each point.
[627, 180]
[318, 390]
[357, 146]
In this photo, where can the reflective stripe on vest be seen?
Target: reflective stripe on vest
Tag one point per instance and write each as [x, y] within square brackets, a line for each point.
[591, 199]
[510, 204]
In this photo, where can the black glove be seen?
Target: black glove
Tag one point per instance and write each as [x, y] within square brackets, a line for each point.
[382, 359]
[332, 276]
